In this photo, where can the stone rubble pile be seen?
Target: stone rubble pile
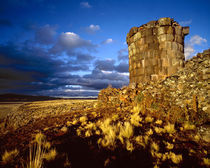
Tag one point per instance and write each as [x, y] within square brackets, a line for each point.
[192, 80]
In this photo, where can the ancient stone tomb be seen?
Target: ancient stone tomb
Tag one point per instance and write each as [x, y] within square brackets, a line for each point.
[156, 50]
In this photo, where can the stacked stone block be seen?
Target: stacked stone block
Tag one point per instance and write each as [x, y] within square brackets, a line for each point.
[156, 50]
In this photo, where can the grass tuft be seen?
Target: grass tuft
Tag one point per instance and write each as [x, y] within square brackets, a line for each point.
[206, 161]
[50, 155]
[38, 152]
[9, 156]
[169, 128]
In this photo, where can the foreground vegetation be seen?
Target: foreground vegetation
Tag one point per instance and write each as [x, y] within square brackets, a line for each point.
[147, 132]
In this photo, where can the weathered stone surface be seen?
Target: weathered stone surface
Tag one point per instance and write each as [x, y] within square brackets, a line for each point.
[157, 49]
[165, 21]
[184, 88]
[185, 30]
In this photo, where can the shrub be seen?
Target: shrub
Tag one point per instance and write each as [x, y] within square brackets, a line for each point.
[175, 158]
[169, 145]
[109, 132]
[129, 146]
[139, 98]
[159, 122]
[38, 152]
[8, 156]
[155, 146]
[50, 155]
[206, 161]
[169, 128]
[36, 155]
[83, 119]
[126, 131]
[148, 119]
[135, 119]
[139, 140]
[188, 126]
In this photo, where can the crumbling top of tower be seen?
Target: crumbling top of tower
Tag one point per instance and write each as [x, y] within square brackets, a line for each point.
[162, 22]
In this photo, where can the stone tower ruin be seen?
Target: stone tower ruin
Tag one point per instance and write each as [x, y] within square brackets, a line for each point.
[156, 50]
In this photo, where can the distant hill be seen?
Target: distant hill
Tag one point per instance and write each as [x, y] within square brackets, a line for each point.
[10, 97]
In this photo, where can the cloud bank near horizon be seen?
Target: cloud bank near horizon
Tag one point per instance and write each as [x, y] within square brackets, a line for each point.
[57, 65]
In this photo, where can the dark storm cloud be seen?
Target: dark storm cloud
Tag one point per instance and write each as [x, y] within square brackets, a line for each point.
[106, 73]
[5, 23]
[109, 65]
[99, 80]
[106, 65]
[84, 57]
[45, 34]
[80, 57]
[30, 69]
[13, 74]
[34, 69]
[122, 67]
[123, 54]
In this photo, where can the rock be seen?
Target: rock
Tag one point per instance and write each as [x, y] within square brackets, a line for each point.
[164, 21]
[204, 133]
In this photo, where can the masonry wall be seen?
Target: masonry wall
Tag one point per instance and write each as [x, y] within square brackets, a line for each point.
[156, 50]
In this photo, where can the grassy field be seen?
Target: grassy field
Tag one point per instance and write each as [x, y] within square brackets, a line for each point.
[89, 133]
[8, 107]
[17, 114]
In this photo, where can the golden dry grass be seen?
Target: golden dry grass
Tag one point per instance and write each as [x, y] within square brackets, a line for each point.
[132, 128]
[9, 156]
[40, 150]
[20, 113]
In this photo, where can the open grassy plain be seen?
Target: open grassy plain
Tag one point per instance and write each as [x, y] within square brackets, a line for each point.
[90, 133]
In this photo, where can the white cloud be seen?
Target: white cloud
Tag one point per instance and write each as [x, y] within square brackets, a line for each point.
[69, 41]
[186, 22]
[73, 40]
[189, 49]
[123, 54]
[92, 28]
[107, 41]
[124, 73]
[106, 72]
[85, 5]
[197, 40]
[80, 90]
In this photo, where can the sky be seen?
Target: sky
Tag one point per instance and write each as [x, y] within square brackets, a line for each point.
[71, 48]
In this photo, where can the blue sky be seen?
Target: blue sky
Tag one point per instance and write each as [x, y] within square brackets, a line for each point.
[75, 48]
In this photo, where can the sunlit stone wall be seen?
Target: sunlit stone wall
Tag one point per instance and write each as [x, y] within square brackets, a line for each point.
[156, 50]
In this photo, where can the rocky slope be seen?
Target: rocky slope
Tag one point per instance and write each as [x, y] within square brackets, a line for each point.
[188, 88]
